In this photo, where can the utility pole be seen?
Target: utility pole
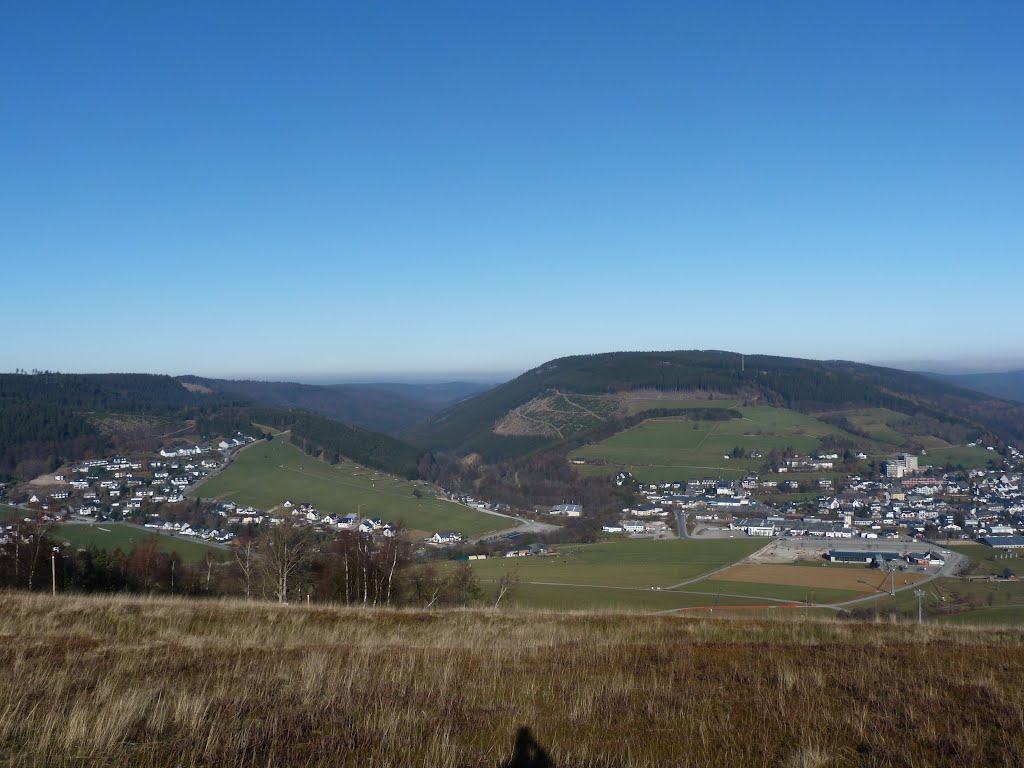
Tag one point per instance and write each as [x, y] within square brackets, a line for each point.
[892, 581]
[53, 570]
[919, 594]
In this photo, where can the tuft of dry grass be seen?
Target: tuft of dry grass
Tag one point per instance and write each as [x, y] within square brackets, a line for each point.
[157, 682]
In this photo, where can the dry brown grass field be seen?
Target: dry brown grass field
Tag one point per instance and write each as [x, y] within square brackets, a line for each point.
[123, 682]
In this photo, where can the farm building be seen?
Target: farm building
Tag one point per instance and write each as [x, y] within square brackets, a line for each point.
[1004, 542]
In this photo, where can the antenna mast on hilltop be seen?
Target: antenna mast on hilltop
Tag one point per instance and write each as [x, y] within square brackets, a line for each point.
[743, 364]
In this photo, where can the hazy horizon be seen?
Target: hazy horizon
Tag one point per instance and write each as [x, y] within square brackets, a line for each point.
[443, 376]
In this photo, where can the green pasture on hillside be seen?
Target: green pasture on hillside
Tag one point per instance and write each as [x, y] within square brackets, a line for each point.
[661, 450]
[630, 563]
[111, 536]
[880, 424]
[969, 458]
[265, 475]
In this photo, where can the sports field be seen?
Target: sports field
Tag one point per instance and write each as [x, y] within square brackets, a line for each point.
[823, 580]
[660, 450]
[266, 475]
[642, 563]
[111, 536]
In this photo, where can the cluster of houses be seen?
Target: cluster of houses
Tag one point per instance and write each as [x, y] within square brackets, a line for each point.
[106, 486]
[119, 484]
[662, 500]
[303, 514]
[185, 529]
[987, 505]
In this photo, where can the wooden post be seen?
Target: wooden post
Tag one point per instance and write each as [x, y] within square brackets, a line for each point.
[53, 571]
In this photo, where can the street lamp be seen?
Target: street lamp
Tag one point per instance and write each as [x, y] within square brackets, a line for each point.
[53, 570]
[919, 594]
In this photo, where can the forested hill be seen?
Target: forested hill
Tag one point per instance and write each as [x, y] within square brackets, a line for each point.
[806, 385]
[49, 419]
[119, 392]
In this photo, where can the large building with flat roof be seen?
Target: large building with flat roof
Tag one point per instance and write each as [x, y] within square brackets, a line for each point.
[1004, 542]
[864, 556]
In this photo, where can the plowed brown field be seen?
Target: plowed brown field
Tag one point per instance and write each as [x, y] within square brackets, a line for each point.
[854, 579]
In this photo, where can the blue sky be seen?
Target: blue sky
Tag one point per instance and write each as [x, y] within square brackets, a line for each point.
[364, 188]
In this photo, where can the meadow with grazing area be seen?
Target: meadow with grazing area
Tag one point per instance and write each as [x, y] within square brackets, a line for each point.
[267, 474]
[119, 682]
[667, 449]
[110, 536]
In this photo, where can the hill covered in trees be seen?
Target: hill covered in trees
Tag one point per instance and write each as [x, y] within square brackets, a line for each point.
[809, 386]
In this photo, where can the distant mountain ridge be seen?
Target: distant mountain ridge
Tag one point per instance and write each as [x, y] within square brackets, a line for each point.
[809, 386]
[1008, 385]
[387, 407]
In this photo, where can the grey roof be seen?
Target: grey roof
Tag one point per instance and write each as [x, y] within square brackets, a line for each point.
[565, 508]
[865, 555]
[1004, 541]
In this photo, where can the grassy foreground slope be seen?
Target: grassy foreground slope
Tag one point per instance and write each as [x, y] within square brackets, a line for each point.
[126, 682]
[268, 474]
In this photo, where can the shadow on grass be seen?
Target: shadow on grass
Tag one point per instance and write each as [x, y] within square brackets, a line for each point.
[527, 753]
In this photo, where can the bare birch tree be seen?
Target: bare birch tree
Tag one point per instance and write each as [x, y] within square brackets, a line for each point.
[285, 551]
